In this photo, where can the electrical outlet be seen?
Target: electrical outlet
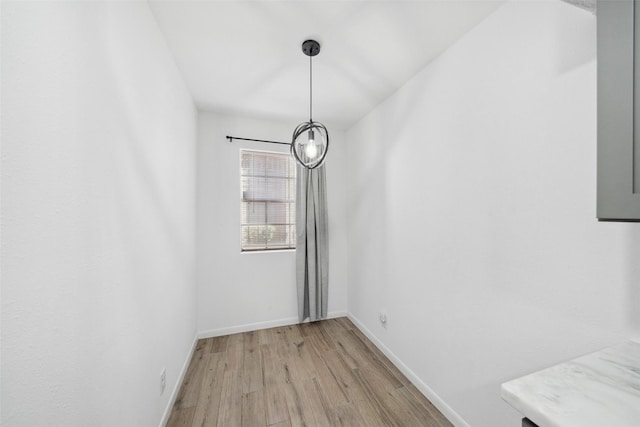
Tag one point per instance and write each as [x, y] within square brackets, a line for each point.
[383, 319]
[163, 380]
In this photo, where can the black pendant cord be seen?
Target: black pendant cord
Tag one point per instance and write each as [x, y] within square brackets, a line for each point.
[310, 88]
[231, 138]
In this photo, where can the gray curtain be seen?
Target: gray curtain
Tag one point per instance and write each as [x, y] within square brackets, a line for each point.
[312, 244]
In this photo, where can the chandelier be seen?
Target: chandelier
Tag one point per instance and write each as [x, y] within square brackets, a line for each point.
[310, 141]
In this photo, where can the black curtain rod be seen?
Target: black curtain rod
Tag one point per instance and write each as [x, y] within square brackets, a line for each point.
[231, 138]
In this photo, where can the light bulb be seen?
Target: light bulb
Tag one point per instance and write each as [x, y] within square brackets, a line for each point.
[311, 149]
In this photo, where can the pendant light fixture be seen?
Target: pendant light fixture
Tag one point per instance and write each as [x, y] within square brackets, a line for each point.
[310, 141]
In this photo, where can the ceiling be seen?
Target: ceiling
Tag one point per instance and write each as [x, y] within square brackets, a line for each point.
[244, 57]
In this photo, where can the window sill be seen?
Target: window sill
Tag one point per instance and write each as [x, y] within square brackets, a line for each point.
[267, 251]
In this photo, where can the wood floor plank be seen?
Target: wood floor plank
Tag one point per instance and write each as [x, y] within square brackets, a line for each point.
[252, 376]
[365, 357]
[188, 395]
[332, 327]
[300, 412]
[346, 416]
[377, 353]
[251, 341]
[204, 345]
[300, 357]
[206, 413]
[290, 366]
[325, 373]
[351, 349]
[331, 391]
[279, 342]
[320, 341]
[292, 333]
[318, 404]
[400, 411]
[219, 344]
[230, 408]
[426, 403]
[252, 363]
[327, 380]
[235, 339]
[264, 336]
[285, 423]
[277, 336]
[344, 349]
[410, 404]
[274, 383]
[373, 395]
[369, 415]
[253, 411]
[181, 417]
[235, 355]
[345, 322]
[310, 328]
[344, 376]
[362, 399]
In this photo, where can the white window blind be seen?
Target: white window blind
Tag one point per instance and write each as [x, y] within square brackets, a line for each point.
[268, 216]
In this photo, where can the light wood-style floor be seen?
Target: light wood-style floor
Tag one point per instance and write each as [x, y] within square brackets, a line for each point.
[316, 374]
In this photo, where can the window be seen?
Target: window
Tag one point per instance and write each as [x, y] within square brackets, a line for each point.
[267, 211]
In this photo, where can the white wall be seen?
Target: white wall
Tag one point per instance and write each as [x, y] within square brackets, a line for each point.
[98, 215]
[243, 291]
[472, 213]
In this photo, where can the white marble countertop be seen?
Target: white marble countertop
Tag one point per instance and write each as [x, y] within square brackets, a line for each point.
[601, 389]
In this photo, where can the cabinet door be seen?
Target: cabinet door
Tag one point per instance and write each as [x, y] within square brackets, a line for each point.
[618, 110]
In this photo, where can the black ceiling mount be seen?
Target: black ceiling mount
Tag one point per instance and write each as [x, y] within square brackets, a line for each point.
[311, 47]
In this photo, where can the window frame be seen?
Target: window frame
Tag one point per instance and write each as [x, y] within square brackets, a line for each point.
[240, 177]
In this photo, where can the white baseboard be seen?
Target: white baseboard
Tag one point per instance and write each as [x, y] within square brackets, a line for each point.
[259, 325]
[446, 410]
[176, 386]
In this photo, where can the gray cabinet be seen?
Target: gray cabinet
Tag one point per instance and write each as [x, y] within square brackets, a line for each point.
[618, 110]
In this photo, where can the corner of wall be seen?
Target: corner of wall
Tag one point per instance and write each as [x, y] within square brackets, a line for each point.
[178, 384]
